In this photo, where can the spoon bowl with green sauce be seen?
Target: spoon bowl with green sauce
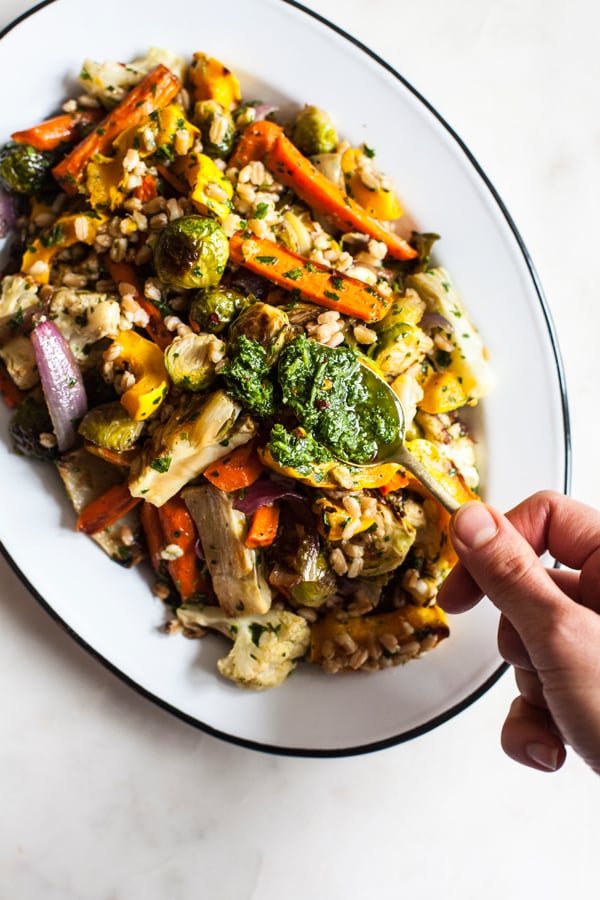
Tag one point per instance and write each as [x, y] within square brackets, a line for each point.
[394, 450]
[349, 409]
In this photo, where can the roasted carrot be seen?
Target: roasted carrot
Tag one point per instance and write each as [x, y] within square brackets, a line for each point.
[171, 178]
[235, 470]
[255, 142]
[156, 90]
[293, 169]
[263, 527]
[147, 190]
[153, 533]
[179, 531]
[11, 394]
[308, 280]
[122, 272]
[106, 509]
[122, 458]
[396, 483]
[63, 129]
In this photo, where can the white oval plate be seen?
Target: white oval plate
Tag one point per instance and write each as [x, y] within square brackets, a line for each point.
[285, 54]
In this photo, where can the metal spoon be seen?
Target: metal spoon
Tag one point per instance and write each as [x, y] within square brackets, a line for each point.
[397, 452]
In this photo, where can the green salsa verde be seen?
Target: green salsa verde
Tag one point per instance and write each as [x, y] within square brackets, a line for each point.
[334, 400]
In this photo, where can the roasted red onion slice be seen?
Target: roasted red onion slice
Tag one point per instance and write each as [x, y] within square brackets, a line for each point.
[435, 320]
[263, 492]
[61, 379]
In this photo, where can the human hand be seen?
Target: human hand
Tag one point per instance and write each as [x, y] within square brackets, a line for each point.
[549, 627]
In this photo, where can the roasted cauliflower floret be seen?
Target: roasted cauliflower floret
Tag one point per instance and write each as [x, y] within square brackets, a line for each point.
[83, 318]
[110, 81]
[265, 648]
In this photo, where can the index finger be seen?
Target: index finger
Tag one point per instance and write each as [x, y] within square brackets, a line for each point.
[548, 521]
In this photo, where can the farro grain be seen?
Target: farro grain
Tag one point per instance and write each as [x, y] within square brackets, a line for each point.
[359, 658]
[171, 552]
[355, 567]
[126, 381]
[118, 250]
[346, 642]
[172, 323]
[218, 129]
[410, 648]
[158, 221]
[153, 206]
[126, 289]
[88, 101]
[389, 642]
[152, 289]
[183, 141]
[47, 439]
[162, 591]
[364, 335]
[338, 561]
[74, 280]
[331, 666]
[174, 210]
[307, 613]
[127, 536]
[428, 642]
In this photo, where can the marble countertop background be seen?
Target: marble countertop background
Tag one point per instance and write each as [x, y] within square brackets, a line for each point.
[106, 797]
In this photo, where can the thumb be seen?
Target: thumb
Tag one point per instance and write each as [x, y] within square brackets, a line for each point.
[507, 569]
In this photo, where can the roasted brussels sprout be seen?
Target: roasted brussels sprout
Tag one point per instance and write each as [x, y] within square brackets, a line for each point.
[216, 127]
[110, 426]
[314, 132]
[191, 252]
[213, 309]
[190, 360]
[23, 169]
[318, 581]
[268, 325]
[29, 422]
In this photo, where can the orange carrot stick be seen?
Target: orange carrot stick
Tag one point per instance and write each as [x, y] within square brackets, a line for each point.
[153, 533]
[63, 129]
[263, 527]
[147, 189]
[171, 178]
[11, 394]
[106, 509]
[255, 142]
[235, 470]
[179, 531]
[122, 272]
[310, 281]
[156, 90]
[293, 169]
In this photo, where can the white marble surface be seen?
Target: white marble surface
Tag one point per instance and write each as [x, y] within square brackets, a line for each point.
[106, 797]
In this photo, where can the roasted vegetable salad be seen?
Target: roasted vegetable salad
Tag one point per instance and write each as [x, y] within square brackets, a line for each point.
[191, 282]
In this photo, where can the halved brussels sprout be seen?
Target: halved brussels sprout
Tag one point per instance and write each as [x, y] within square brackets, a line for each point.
[314, 132]
[268, 325]
[110, 426]
[216, 127]
[191, 252]
[29, 422]
[23, 168]
[213, 309]
[190, 360]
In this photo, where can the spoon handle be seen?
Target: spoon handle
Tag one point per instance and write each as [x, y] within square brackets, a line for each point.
[410, 462]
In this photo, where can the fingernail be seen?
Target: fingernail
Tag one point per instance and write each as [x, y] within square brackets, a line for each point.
[474, 525]
[544, 755]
